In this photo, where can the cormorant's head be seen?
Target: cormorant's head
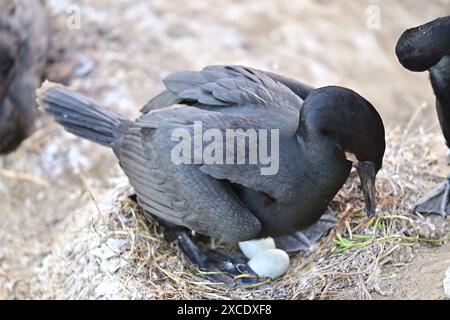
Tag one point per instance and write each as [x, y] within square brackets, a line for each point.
[420, 48]
[350, 124]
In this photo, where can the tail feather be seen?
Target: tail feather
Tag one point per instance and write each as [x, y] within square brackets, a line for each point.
[81, 116]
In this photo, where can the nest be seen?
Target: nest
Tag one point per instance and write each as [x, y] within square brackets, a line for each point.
[108, 250]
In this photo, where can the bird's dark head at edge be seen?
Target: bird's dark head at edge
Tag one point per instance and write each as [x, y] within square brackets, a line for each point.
[10, 41]
[420, 48]
[352, 127]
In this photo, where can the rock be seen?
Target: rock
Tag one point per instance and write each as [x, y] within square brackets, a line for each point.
[272, 263]
[253, 247]
[446, 283]
[112, 248]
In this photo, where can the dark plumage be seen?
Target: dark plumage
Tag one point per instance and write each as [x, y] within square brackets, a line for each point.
[23, 53]
[235, 202]
[422, 48]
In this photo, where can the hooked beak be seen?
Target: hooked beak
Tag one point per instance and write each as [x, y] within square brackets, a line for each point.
[367, 174]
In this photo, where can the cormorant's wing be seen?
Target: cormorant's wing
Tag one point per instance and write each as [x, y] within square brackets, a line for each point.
[181, 194]
[299, 88]
[232, 90]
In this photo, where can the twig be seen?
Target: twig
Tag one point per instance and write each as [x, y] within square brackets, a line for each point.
[23, 176]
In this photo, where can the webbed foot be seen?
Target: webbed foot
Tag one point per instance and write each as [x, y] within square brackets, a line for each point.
[218, 266]
[303, 240]
[437, 201]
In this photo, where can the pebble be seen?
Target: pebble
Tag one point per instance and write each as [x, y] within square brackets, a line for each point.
[446, 283]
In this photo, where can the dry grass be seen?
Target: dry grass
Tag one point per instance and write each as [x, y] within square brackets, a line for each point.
[120, 255]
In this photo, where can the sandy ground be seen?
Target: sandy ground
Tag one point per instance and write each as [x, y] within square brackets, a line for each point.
[423, 278]
[134, 44]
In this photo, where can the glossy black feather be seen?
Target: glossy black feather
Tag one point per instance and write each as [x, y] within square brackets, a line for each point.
[420, 48]
[427, 47]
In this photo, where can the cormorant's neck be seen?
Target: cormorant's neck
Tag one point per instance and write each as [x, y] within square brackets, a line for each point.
[327, 160]
[440, 81]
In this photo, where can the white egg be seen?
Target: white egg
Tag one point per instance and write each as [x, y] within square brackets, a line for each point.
[253, 247]
[272, 263]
